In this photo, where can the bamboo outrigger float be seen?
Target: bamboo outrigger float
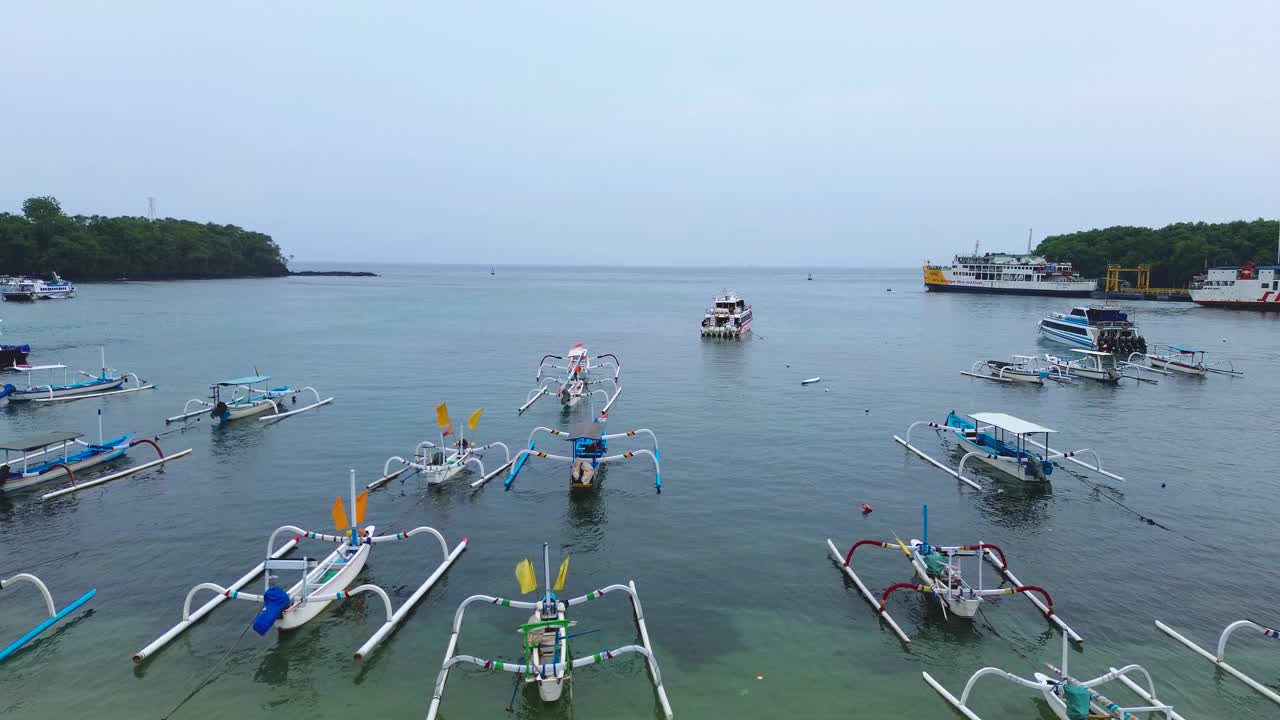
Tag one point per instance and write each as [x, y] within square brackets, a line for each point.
[588, 447]
[247, 399]
[56, 455]
[54, 614]
[430, 461]
[1069, 698]
[321, 582]
[577, 379]
[546, 659]
[1219, 658]
[938, 569]
[1003, 443]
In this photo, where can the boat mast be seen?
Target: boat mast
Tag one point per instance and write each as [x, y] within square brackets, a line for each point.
[1029, 240]
[546, 570]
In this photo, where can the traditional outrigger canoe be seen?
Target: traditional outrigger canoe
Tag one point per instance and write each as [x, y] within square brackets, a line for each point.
[321, 582]
[938, 569]
[546, 659]
[1003, 443]
[1067, 697]
[1026, 369]
[1181, 360]
[588, 447]
[248, 397]
[1219, 658]
[577, 379]
[430, 461]
[108, 381]
[54, 614]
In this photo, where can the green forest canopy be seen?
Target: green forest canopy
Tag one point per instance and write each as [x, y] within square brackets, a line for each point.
[1174, 252]
[43, 240]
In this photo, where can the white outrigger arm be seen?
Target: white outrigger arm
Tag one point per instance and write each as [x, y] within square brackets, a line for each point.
[597, 457]
[559, 669]
[1055, 691]
[322, 582]
[1219, 658]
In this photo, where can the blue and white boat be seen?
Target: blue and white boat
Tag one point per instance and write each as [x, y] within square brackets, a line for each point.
[55, 289]
[50, 390]
[246, 397]
[1094, 327]
[54, 455]
[1000, 440]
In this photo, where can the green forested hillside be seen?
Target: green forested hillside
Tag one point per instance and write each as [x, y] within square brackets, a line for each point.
[1174, 252]
[43, 239]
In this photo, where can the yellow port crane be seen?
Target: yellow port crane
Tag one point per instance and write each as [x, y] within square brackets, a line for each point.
[1143, 284]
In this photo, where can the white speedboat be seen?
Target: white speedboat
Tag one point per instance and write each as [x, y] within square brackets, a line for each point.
[728, 317]
[1094, 327]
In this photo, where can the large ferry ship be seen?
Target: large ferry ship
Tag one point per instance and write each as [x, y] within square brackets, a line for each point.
[1007, 273]
[1249, 287]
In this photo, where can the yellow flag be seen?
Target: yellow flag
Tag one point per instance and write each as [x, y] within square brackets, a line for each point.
[564, 573]
[362, 501]
[524, 574]
[475, 419]
[340, 515]
[442, 416]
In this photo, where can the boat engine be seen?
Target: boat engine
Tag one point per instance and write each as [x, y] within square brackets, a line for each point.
[219, 411]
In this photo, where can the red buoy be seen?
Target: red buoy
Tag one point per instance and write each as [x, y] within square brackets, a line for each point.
[866, 508]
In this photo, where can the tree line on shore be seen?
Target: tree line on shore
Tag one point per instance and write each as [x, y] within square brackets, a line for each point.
[44, 240]
[1174, 253]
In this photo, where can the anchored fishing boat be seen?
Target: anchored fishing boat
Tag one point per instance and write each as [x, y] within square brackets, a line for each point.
[55, 455]
[588, 445]
[54, 613]
[1219, 658]
[249, 396]
[1003, 443]
[728, 317]
[1027, 369]
[321, 581]
[577, 378]
[1069, 698]
[938, 569]
[108, 381]
[1177, 359]
[430, 462]
[1094, 327]
[546, 660]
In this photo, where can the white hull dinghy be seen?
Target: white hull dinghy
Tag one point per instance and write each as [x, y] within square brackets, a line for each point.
[322, 581]
[1180, 360]
[937, 567]
[546, 660]
[432, 464]
[108, 381]
[1219, 658]
[1003, 443]
[577, 378]
[1067, 697]
[1023, 369]
[250, 396]
[57, 455]
[588, 453]
[55, 614]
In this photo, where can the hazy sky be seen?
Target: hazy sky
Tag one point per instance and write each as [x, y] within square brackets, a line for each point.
[805, 133]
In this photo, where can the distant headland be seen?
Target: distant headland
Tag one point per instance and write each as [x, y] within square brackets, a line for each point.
[44, 239]
[333, 273]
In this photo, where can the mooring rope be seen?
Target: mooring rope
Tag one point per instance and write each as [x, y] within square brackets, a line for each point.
[43, 562]
[210, 677]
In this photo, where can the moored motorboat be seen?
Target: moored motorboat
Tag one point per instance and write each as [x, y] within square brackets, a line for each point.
[1094, 327]
[728, 317]
[247, 397]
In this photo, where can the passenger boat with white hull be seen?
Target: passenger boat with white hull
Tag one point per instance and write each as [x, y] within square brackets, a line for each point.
[1004, 273]
[1094, 327]
[1248, 287]
[728, 317]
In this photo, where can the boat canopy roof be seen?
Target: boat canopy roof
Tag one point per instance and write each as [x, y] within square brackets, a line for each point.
[30, 368]
[1098, 353]
[589, 430]
[1009, 423]
[1182, 349]
[250, 380]
[35, 442]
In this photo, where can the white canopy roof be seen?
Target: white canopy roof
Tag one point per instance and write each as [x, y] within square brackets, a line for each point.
[1089, 352]
[31, 368]
[1009, 423]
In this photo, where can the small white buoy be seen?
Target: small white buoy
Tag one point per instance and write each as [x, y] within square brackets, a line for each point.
[811, 380]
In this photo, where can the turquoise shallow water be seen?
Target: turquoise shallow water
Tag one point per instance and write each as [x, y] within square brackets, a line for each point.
[730, 560]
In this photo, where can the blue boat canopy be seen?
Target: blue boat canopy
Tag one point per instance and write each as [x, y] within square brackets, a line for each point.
[1179, 348]
[251, 380]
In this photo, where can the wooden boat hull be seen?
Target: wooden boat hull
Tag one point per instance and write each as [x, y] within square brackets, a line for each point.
[333, 575]
[18, 483]
[61, 391]
[241, 410]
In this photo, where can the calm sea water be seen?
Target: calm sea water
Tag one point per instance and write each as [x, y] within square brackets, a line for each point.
[749, 616]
